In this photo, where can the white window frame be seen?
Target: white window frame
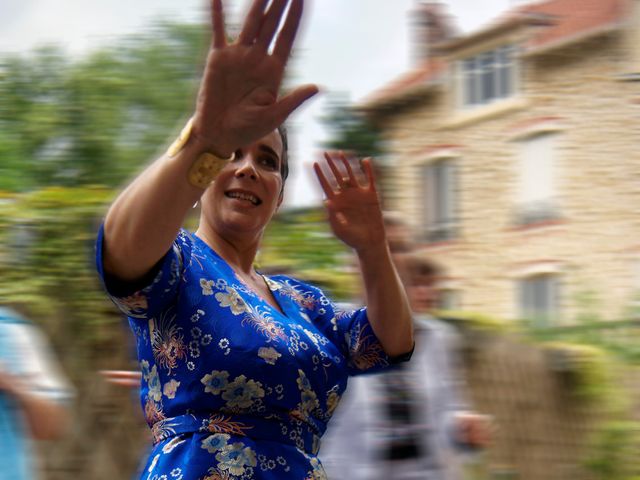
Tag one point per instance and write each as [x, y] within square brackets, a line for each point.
[533, 206]
[548, 289]
[487, 77]
[551, 208]
[441, 212]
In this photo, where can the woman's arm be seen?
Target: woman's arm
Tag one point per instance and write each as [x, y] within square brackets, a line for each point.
[356, 219]
[145, 218]
[387, 305]
[237, 104]
[46, 418]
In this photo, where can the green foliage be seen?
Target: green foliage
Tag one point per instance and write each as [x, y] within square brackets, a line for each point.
[614, 451]
[586, 368]
[632, 309]
[620, 338]
[587, 308]
[351, 131]
[588, 355]
[475, 321]
[97, 119]
[67, 126]
[46, 263]
[300, 242]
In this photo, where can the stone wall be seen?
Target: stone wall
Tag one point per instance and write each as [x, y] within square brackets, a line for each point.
[594, 241]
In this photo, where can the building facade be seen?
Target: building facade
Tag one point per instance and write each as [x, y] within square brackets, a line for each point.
[514, 152]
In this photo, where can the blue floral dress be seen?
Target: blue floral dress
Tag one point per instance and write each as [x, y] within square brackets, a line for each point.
[231, 387]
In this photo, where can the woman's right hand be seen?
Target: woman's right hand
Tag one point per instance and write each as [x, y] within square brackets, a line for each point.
[238, 99]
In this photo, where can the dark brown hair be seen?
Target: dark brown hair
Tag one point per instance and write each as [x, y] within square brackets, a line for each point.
[284, 159]
[419, 268]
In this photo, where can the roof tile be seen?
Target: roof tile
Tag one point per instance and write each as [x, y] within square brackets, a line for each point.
[567, 19]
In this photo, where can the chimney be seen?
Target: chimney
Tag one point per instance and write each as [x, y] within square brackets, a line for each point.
[430, 26]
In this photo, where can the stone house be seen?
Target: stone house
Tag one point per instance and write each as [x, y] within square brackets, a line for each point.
[514, 152]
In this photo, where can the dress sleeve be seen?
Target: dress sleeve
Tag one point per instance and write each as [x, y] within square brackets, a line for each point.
[153, 293]
[356, 340]
[349, 329]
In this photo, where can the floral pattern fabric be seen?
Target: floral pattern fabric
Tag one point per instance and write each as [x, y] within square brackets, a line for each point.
[233, 388]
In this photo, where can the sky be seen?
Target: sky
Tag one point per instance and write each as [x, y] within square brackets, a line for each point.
[347, 47]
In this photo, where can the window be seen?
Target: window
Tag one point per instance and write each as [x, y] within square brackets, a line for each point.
[537, 179]
[488, 77]
[539, 299]
[440, 200]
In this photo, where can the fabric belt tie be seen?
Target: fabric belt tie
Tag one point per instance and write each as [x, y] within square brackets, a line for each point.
[275, 428]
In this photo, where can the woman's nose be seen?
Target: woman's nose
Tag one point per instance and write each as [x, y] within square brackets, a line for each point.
[246, 168]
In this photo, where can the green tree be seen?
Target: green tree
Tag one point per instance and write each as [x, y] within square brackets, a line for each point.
[300, 242]
[350, 130]
[95, 120]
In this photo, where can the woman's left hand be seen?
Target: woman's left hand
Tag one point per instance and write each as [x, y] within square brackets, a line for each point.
[354, 209]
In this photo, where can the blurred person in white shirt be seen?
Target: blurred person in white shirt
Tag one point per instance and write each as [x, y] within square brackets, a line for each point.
[33, 395]
[411, 422]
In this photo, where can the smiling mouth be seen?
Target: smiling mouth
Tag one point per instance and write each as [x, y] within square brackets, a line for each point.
[249, 197]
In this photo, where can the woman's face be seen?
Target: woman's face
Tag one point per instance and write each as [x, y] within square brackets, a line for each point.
[248, 190]
[423, 293]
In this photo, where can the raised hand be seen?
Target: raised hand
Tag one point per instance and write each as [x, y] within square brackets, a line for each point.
[125, 378]
[474, 430]
[354, 209]
[238, 101]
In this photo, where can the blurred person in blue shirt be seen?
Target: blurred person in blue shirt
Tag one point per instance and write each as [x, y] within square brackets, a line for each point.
[33, 395]
[410, 422]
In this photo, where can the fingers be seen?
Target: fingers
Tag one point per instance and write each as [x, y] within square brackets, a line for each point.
[345, 176]
[125, 378]
[324, 183]
[122, 374]
[282, 48]
[217, 22]
[260, 27]
[367, 166]
[253, 22]
[270, 23]
[342, 182]
[124, 382]
[347, 166]
[291, 101]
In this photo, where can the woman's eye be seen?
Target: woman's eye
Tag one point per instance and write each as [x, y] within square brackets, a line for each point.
[237, 155]
[269, 162]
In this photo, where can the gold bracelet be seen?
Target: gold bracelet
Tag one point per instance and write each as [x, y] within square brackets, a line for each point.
[206, 167]
[180, 142]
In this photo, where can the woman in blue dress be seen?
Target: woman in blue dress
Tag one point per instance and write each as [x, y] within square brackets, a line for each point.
[242, 371]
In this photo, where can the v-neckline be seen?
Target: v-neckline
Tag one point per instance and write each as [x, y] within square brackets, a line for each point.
[276, 304]
[277, 307]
